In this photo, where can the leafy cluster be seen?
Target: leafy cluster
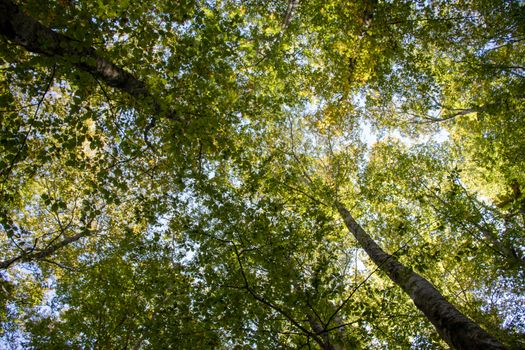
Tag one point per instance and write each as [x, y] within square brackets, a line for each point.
[171, 171]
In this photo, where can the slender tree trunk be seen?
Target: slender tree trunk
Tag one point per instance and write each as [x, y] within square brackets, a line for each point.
[455, 328]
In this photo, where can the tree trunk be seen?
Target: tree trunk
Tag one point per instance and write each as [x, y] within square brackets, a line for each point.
[318, 329]
[455, 328]
[25, 31]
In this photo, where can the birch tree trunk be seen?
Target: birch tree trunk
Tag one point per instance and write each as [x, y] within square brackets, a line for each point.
[455, 328]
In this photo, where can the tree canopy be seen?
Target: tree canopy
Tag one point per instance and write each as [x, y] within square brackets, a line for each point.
[185, 174]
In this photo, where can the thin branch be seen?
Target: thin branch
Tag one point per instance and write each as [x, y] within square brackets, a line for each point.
[275, 39]
[147, 129]
[458, 113]
[268, 303]
[461, 223]
[402, 21]
[312, 308]
[342, 325]
[48, 251]
[315, 200]
[360, 284]
[62, 266]
[23, 144]
[106, 95]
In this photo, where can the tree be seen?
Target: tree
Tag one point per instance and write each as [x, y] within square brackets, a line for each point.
[178, 168]
[453, 326]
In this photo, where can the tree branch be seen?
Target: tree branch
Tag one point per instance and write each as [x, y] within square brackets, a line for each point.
[26, 136]
[43, 254]
[268, 303]
[359, 286]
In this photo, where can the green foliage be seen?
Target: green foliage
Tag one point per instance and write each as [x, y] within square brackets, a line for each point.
[201, 214]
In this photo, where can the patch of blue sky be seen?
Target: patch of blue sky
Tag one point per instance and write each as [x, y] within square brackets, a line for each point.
[506, 298]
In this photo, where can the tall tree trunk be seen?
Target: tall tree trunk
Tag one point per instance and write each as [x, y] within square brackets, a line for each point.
[455, 328]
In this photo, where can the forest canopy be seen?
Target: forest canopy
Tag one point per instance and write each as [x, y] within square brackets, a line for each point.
[187, 174]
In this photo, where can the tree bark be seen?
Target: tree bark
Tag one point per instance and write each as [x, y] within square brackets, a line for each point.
[320, 330]
[25, 31]
[455, 328]
[44, 253]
